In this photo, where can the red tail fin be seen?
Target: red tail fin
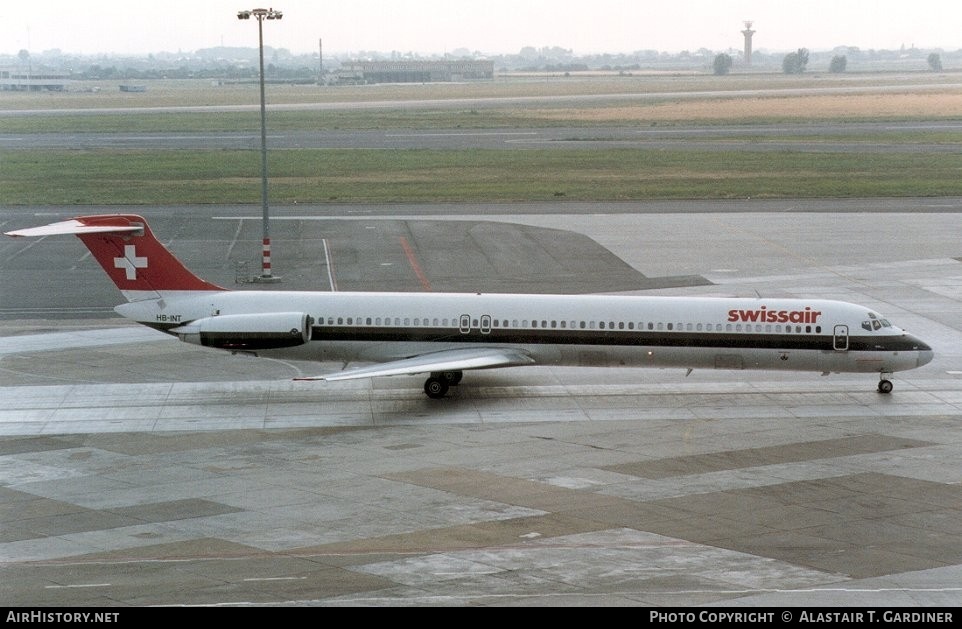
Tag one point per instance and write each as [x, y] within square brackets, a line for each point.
[125, 247]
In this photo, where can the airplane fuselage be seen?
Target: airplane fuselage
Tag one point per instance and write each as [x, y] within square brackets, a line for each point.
[444, 334]
[580, 330]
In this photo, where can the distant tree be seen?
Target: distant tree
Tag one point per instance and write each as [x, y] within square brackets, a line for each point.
[23, 55]
[789, 62]
[722, 64]
[838, 64]
[935, 62]
[528, 53]
[795, 62]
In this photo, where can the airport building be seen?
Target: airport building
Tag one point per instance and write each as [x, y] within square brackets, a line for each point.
[20, 80]
[415, 71]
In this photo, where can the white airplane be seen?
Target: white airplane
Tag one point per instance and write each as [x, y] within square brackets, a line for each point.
[444, 334]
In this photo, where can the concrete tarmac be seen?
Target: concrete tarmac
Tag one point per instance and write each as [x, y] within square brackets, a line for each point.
[135, 470]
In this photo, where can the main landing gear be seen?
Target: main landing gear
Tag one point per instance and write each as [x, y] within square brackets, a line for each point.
[884, 384]
[437, 385]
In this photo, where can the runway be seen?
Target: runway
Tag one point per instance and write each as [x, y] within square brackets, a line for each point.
[137, 470]
[804, 137]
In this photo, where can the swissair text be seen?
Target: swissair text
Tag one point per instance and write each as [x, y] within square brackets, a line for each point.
[764, 315]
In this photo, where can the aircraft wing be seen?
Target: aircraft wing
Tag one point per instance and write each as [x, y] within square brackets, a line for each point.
[445, 360]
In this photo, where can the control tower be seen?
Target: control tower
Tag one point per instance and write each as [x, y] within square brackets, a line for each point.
[748, 32]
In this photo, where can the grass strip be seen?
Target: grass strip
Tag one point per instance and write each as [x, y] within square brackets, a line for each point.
[105, 177]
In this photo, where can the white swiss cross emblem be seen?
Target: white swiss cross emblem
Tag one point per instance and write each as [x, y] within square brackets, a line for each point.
[130, 262]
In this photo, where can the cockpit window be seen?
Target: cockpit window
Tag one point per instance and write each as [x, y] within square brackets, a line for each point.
[874, 322]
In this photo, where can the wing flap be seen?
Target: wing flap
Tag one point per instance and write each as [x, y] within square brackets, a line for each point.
[445, 360]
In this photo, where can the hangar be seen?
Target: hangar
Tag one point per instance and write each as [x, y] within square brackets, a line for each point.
[415, 71]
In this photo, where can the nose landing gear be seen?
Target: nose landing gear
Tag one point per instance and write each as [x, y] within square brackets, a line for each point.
[884, 384]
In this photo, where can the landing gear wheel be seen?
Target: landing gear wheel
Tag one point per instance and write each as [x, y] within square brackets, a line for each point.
[453, 378]
[885, 386]
[436, 387]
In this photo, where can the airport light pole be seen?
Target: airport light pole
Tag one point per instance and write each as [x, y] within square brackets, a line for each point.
[261, 15]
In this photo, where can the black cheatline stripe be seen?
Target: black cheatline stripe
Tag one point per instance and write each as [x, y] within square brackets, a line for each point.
[720, 340]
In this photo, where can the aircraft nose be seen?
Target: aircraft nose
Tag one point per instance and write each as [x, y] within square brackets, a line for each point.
[925, 352]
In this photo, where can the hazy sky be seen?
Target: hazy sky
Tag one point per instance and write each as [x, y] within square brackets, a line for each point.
[490, 26]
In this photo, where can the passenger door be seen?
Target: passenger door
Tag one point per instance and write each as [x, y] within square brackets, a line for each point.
[840, 338]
